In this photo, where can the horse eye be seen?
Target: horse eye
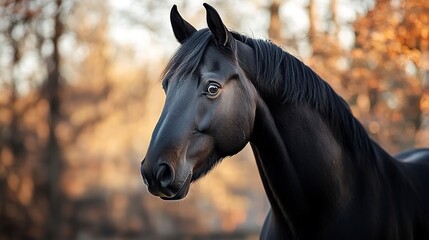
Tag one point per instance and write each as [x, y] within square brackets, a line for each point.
[213, 89]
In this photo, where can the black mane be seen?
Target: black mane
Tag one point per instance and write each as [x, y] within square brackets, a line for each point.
[278, 73]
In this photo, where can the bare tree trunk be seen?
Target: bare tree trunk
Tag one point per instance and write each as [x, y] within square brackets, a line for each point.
[274, 30]
[11, 144]
[312, 21]
[53, 154]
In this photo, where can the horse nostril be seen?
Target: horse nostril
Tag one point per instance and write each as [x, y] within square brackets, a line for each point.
[165, 175]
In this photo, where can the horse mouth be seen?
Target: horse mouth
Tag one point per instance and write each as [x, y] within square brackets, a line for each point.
[183, 191]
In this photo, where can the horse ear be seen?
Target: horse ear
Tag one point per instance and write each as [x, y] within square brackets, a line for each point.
[181, 28]
[216, 25]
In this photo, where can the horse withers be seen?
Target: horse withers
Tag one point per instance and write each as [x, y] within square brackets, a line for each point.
[324, 177]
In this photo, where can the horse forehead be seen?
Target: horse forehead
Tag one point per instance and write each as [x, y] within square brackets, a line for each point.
[182, 90]
[216, 61]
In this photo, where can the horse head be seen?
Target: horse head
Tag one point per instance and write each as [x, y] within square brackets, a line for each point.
[209, 109]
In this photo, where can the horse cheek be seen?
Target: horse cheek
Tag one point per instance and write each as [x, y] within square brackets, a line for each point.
[204, 116]
[234, 129]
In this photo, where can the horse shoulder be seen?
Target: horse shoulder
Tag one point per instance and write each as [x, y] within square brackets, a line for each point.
[416, 155]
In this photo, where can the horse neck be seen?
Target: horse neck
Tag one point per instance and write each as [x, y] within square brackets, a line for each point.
[277, 172]
[311, 180]
[313, 156]
[301, 165]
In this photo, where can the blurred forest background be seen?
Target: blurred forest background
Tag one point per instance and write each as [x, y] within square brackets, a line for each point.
[80, 94]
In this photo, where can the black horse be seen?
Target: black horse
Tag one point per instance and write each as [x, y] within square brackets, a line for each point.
[324, 177]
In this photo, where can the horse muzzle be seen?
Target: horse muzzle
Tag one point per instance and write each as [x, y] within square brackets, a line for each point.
[164, 181]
